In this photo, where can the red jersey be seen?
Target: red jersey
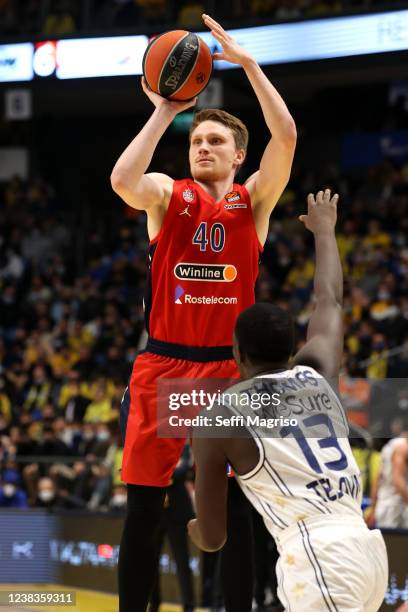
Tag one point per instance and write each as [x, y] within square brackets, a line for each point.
[203, 266]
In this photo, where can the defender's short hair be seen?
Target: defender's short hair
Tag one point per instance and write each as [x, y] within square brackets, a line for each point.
[237, 127]
[265, 333]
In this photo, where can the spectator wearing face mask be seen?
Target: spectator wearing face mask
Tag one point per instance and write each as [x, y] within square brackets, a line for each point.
[117, 502]
[384, 307]
[49, 498]
[11, 496]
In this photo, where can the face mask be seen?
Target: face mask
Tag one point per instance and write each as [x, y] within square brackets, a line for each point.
[46, 495]
[403, 403]
[119, 500]
[9, 490]
[102, 435]
[383, 296]
[87, 435]
[66, 436]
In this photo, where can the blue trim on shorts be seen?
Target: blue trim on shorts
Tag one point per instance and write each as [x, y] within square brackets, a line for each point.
[316, 568]
[124, 413]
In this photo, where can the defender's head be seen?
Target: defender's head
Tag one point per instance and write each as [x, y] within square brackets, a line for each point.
[218, 145]
[263, 338]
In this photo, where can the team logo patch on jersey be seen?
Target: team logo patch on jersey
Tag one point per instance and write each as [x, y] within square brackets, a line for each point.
[223, 273]
[233, 196]
[232, 206]
[188, 195]
[178, 294]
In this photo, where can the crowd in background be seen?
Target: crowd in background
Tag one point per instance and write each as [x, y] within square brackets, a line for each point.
[66, 17]
[71, 316]
[68, 336]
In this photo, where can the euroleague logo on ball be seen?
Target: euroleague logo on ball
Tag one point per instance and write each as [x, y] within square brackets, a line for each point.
[188, 196]
[200, 78]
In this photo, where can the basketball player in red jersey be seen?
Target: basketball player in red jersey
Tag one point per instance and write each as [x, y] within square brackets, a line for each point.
[206, 236]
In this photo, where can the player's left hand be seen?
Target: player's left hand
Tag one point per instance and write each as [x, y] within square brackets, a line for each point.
[231, 50]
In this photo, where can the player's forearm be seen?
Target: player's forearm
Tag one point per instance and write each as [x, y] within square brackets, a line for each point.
[328, 278]
[136, 158]
[277, 116]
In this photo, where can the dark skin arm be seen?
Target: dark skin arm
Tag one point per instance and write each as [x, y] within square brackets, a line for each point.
[324, 342]
[209, 530]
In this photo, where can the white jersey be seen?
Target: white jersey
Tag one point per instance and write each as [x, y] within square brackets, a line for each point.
[307, 487]
[306, 468]
[391, 510]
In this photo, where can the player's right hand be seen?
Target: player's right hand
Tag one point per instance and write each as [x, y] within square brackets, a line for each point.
[321, 212]
[174, 105]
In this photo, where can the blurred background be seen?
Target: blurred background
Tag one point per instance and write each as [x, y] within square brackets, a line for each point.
[73, 268]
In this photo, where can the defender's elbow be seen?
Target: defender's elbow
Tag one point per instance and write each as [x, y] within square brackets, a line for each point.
[212, 544]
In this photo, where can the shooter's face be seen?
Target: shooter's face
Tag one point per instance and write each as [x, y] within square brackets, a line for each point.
[213, 154]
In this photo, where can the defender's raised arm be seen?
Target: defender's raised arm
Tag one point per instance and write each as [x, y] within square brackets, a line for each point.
[324, 345]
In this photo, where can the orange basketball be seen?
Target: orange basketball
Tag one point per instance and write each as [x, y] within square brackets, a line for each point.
[177, 65]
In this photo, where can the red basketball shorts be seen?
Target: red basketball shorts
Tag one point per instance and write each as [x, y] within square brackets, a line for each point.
[148, 459]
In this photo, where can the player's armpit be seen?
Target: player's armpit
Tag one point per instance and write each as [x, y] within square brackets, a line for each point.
[153, 189]
[250, 183]
[211, 492]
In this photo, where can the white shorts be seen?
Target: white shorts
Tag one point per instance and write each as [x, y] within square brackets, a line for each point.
[336, 564]
[392, 514]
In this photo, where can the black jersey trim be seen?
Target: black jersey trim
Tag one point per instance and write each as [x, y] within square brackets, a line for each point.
[189, 353]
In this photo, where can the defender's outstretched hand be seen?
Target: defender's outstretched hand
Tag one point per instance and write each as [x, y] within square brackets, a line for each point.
[231, 50]
[174, 105]
[321, 212]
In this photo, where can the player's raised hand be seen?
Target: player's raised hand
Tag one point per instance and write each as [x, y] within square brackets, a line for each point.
[231, 50]
[321, 212]
[175, 106]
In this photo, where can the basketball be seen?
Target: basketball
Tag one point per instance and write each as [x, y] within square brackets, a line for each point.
[177, 65]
